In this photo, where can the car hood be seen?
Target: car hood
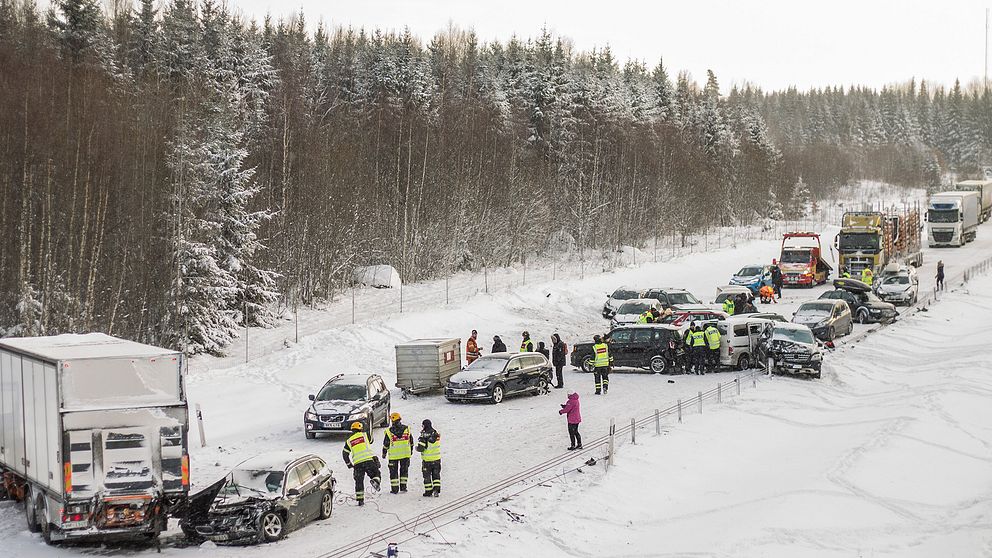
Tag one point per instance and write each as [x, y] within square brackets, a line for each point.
[878, 305]
[626, 318]
[895, 288]
[809, 318]
[792, 347]
[744, 279]
[232, 503]
[337, 407]
[469, 376]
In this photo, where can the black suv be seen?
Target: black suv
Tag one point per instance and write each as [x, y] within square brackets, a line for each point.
[650, 346]
[671, 297]
[348, 398]
[865, 306]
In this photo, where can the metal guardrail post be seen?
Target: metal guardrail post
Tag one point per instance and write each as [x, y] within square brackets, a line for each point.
[700, 397]
[737, 381]
[657, 423]
[754, 380]
[633, 431]
[609, 458]
[680, 411]
[719, 393]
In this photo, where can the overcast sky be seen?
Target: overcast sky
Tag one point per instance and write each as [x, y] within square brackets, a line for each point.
[773, 43]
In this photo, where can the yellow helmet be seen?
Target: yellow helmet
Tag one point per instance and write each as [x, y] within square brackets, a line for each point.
[356, 426]
[394, 417]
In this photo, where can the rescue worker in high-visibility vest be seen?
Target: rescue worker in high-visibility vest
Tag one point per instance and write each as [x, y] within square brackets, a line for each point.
[472, 349]
[526, 346]
[698, 349]
[655, 315]
[844, 273]
[429, 447]
[645, 317]
[397, 445]
[601, 362]
[867, 276]
[358, 456]
[728, 305]
[712, 335]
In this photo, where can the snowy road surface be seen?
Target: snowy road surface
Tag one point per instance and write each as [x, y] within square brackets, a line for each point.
[249, 408]
[890, 455]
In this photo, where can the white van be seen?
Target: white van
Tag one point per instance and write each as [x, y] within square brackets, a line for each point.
[739, 336]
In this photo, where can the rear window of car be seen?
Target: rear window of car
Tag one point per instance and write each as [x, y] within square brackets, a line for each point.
[633, 308]
[681, 298]
[624, 294]
[537, 360]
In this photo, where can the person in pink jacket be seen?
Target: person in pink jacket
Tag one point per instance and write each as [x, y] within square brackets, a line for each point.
[571, 411]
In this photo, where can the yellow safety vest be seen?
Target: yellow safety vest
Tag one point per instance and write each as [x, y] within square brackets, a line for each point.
[712, 337]
[728, 306]
[867, 276]
[433, 451]
[527, 346]
[400, 446]
[360, 448]
[602, 355]
[698, 339]
[643, 318]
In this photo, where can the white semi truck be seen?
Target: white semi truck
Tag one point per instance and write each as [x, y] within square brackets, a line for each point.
[984, 189]
[952, 218]
[93, 435]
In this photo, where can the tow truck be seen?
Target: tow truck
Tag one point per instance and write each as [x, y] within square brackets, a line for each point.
[801, 260]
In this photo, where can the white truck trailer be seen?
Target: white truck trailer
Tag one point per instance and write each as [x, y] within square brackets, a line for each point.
[93, 436]
[984, 189]
[952, 218]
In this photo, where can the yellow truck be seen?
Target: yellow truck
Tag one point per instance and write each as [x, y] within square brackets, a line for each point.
[874, 239]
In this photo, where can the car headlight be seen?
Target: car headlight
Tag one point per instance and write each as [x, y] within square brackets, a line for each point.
[311, 415]
[358, 416]
[482, 383]
[817, 357]
[821, 323]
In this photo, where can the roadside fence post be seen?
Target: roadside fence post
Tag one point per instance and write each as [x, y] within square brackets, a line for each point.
[700, 397]
[657, 423]
[353, 305]
[609, 457]
[446, 298]
[719, 393]
[754, 380]
[199, 423]
[633, 431]
[737, 381]
[680, 411]
[401, 298]
[485, 273]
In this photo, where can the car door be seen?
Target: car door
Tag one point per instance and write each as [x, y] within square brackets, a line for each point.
[296, 513]
[309, 491]
[382, 404]
[639, 347]
[619, 342]
[514, 375]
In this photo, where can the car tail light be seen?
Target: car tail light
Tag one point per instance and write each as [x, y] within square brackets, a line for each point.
[185, 469]
[730, 350]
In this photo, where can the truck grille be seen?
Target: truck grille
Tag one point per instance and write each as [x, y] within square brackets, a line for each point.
[943, 236]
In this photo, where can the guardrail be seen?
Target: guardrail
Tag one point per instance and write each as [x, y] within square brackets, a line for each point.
[604, 447]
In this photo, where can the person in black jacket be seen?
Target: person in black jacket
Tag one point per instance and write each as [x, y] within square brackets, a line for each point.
[429, 446]
[559, 353]
[543, 350]
[498, 345]
[777, 279]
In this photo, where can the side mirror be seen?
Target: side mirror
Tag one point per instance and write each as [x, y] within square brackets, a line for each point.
[312, 397]
[292, 492]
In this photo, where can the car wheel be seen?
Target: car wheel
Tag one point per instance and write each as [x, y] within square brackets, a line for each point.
[862, 316]
[497, 396]
[311, 435]
[744, 362]
[588, 365]
[543, 387]
[326, 505]
[658, 364]
[271, 526]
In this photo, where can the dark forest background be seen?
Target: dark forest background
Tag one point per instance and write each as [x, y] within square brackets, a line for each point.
[170, 173]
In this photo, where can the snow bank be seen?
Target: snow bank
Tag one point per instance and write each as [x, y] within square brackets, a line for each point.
[379, 276]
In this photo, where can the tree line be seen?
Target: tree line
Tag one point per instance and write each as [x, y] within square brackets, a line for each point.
[172, 174]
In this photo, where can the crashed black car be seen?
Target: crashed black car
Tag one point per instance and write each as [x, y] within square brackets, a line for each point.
[261, 500]
[865, 306]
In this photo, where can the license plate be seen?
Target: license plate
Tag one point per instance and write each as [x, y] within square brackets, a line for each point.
[797, 366]
[332, 425]
[459, 391]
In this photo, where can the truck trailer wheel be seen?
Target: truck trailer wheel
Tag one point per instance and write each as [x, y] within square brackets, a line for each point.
[31, 513]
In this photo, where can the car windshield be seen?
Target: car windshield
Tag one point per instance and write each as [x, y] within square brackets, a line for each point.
[633, 308]
[749, 271]
[794, 335]
[252, 482]
[815, 309]
[858, 241]
[342, 392]
[942, 215]
[487, 365]
[624, 294]
[675, 299]
[896, 280]
[795, 256]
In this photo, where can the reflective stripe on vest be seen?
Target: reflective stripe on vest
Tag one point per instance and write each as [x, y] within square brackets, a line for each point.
[644, 318]
[728, 306]
[400, 446]
[712, 337]
[360, 448]
[433, 450]
[527, 346]
[698, 339]
[602, 359]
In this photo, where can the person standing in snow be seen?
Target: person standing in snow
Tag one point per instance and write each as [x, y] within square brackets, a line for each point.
[601, 362]
[526, 346]
[571, 411]
[429, 447]
[472, 349]
[398, 446]
[559, 352]
[543, 350]
[358, 456]
[498, 345]
[940, 275]
[777, 279]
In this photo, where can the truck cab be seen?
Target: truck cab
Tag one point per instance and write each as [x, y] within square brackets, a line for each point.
[801, 261]
[952, 218]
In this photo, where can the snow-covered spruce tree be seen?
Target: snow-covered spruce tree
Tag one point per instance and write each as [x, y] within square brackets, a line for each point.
[801, 200]
[29, 312]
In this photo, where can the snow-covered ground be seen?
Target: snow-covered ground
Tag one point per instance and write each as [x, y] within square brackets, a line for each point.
[258, 406]
[889, 455]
